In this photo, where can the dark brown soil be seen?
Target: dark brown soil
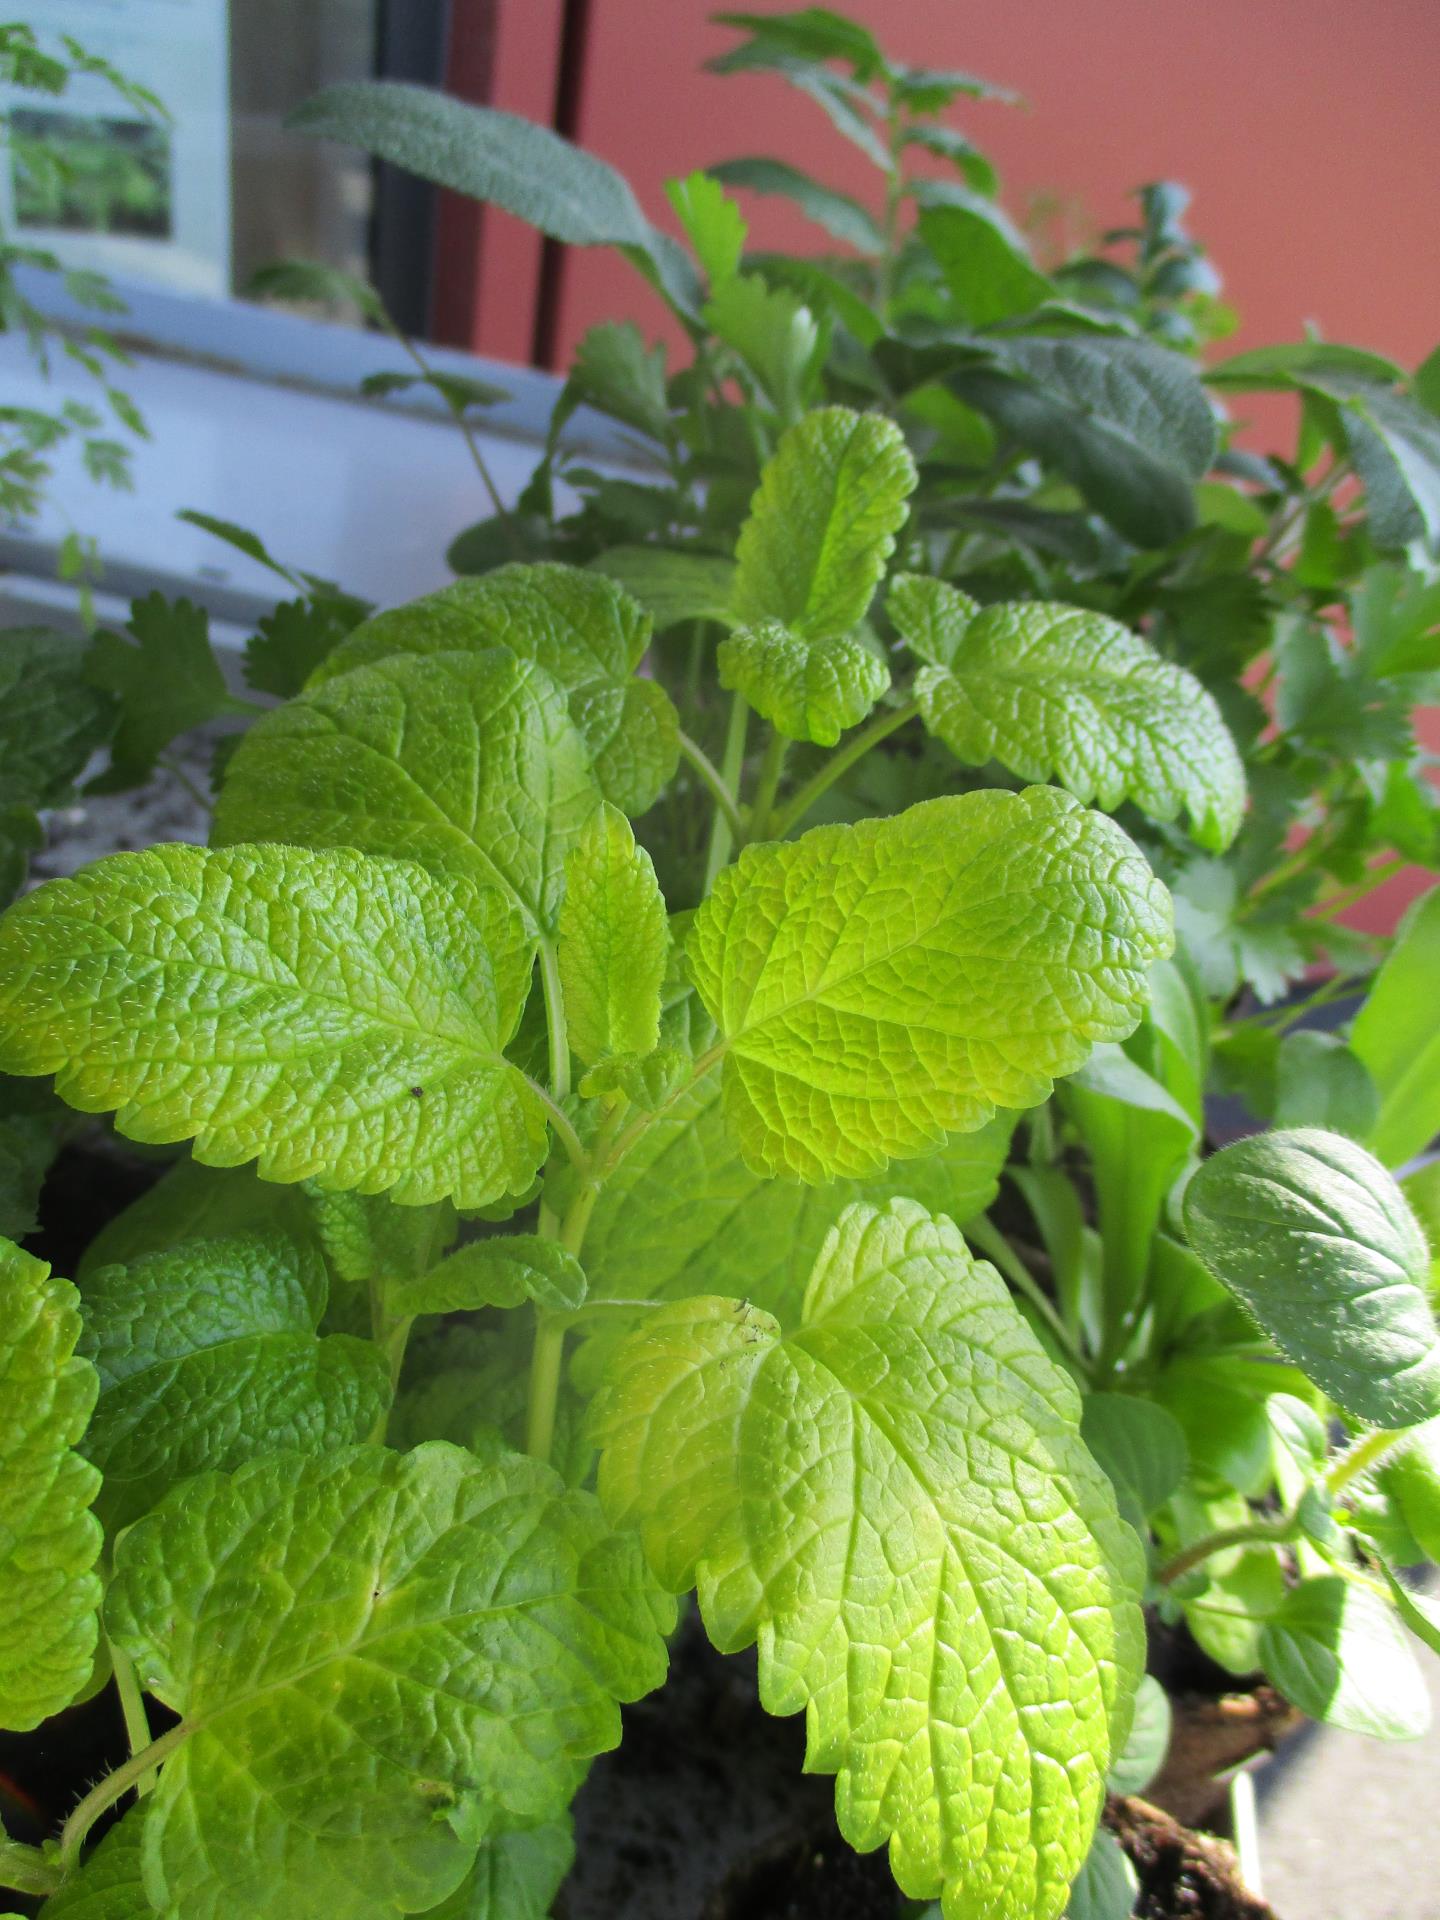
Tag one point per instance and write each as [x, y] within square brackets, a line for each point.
[1183, 1875]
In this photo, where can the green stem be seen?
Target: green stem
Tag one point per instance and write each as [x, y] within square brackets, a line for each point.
[472, 445]
[132, 1707]
[772, 767]
[26, 1869]
[859, 744]
[177, 773]
[722, 839]
[1364, 1453]
[1350, 896]
[692, 751]
[555, 1024]
[112, 1788]
[984, 1234]
[547, 1357]
[1272, 1533]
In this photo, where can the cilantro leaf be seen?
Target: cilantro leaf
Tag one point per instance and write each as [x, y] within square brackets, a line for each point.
[469, 1628]
[714, 225]
[51, 721]
[167, 682]
[207, 1356]
[881, 985]
[468, 763]
[580, 628]
[1054, 692]
[293, 1002]
[1318, 1241]
[823, 523]
[614, 939]
[49, 1539]
[289, 644]
[779, 1473]
[806, 689]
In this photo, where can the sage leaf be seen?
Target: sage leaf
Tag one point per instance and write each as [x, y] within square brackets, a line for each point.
[879, 986]
[505, 161]
[481, 1589]
[49, 1539]
[337, 1017]
[843, 218]
[780, 1472]
[1311, 1232]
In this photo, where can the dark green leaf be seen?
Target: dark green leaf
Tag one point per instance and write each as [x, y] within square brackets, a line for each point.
[167, 682]
[1335, 1650]
[841, 217]
[289, 644]
[499, 158]
[984, 262]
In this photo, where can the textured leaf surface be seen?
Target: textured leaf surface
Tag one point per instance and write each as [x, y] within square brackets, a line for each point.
[895, 1501]
[1126, 422]
[881, 985]
[806, 689]
[285, 1004]
[1318, 1241]
[49, 1539]
[823, 523]
[614, 941]
[467, 1629]
[576, 625]
[1336, 1651]
[684, 1213]
[195, 1202]
[207, 1356]
[1054, 692]
[498, 157]
[497, 1272]
[468, 763]
[672, 586]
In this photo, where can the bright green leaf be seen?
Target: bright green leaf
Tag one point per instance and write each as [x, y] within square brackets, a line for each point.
[207, 1357]
[774, 333]
[341, 1018]
[806, 689]
[1319, 1082]
[580, 628]
[1315, 1237]
[613, 942]
[166, 682]
[1419, 1610]
[823, 523]
[468, 1629]
[108, 1886]
[1054, 692]
[781, 1473]
[1335, 1650]
[367, 1237]
[469, 763]
[881, 985]
[714, 225]
[195, 1202]
[1397, 1037]
[49, 1539]
[984, 261]
[498, 1272]
[617, 373]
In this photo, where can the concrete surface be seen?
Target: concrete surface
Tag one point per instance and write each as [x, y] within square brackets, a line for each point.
[1349, 1826]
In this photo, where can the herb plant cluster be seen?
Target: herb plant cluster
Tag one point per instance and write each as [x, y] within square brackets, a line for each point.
[694, 1044]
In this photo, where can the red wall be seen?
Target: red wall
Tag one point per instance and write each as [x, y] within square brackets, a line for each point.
[1309, 131]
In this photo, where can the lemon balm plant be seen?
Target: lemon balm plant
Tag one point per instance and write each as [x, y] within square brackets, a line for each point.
[693, 1046]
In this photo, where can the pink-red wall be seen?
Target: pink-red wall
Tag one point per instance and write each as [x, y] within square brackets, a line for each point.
[1309, 131]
